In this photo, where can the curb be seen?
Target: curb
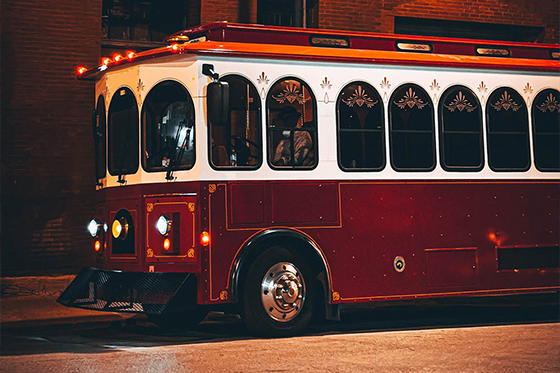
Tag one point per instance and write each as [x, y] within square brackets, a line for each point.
[34, 285]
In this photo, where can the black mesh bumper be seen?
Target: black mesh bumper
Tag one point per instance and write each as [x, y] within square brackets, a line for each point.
[136, 292]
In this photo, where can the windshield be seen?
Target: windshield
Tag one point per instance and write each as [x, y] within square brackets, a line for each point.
[168, 128]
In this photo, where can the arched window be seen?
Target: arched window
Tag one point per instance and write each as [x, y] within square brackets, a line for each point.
[237, 143]
[460, 126]
[123, 133]
[99, 130]
[508, 131]
[292, 125]
[168, 128]
[412, 129]
[546, 130]
[361, 143]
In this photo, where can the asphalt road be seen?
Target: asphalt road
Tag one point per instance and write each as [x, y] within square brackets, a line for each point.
[495, 337]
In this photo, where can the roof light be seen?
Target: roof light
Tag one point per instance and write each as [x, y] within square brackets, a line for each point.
[329, 41]
[117, 57]
[105, 61]
[183, 38]
[414, 47]
[496, 52]
[80, 70]
[130, 55]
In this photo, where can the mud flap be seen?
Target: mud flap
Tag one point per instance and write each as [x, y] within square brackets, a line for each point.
[133, 292]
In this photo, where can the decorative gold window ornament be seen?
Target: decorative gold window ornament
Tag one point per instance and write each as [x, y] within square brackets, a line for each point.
[410, 100]
[262, 79]
[460, 103]
[290, 93]
[360, 97]
[506, 102]
[550, 104]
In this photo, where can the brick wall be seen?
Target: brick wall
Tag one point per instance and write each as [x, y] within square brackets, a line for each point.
[378, 16]
[46, 147]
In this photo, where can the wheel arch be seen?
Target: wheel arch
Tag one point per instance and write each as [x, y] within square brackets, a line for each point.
[278, 236]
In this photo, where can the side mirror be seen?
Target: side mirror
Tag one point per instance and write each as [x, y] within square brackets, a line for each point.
[217, 103]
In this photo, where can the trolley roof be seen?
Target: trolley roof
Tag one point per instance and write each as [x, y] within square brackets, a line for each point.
[237, 40]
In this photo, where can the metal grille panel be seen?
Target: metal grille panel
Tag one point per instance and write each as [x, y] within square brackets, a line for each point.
[115, 291]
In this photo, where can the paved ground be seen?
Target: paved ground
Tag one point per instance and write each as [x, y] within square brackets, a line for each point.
[472, 337]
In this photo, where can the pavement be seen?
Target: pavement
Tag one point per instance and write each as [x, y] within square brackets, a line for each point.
[28, 302]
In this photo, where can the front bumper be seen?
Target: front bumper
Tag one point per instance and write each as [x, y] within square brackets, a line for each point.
[132, 292]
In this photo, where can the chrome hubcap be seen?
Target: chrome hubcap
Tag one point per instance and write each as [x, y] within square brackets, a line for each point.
[283, 291]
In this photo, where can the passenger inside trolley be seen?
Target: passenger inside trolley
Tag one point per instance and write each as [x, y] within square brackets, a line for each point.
[291, 119]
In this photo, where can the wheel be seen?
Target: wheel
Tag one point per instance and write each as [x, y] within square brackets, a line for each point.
[179, 320]
[278, 297]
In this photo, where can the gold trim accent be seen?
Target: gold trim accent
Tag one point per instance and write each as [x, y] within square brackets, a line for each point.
[223, 295]
[335, 296]
[360, 97]
[411, 100]
[150, 207]
[460, 103]
[211, 188]
[193, 226]
[430, 295]
[191, 206]
[506, 102]
[551, 104]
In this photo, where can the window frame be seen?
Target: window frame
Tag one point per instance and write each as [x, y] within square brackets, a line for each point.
[271, 149]
[534, 108]
[144, 128]
[100, 139]
[136, 135]
[391, 130]
[258, 129]
[489, 132]
[340, 130]
[441, 106]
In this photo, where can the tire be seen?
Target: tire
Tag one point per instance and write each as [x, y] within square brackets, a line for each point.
[179, 320]
[279, 296]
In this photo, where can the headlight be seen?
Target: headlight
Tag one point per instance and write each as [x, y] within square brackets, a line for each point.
[120, 228]
[163, 225]
[93, 227]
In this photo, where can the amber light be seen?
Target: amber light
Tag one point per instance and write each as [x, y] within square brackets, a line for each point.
[130, 55]
[175, 47]
[105, 61]
[117, 57]
[205, 238]
[80, 70]
[97, 245]
[166, 244]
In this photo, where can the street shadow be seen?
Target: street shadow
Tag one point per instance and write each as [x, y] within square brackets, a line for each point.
[138, 331]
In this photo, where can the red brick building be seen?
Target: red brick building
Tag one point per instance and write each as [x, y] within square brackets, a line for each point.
[47, 166]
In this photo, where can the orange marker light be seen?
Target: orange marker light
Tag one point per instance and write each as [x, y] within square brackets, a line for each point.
[130, 55]
[175, 47]
[97, 245]
[80, 70]
[205, 239]
[105, 61]
[117, 57]
[166, 244]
